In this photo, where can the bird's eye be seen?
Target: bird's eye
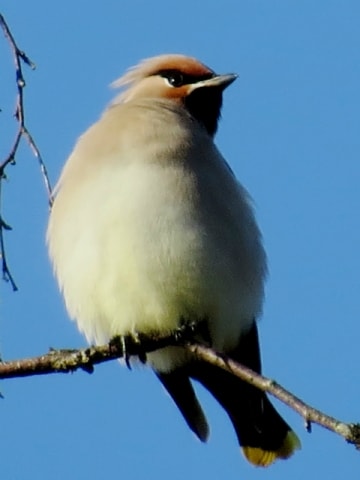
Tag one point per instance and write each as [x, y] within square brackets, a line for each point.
[175, 79]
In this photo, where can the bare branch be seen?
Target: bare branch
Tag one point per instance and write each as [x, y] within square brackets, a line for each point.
[6, 274]
[20, 58]
[349, 431]
[63, 361]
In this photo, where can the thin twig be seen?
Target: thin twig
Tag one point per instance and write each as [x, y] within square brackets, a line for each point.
[20, 58]
[349, 431]
[43, 169]
[69, 360]
[6, 274]
[85, 359]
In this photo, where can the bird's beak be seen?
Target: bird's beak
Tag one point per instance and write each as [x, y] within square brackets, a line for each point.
[218, 81]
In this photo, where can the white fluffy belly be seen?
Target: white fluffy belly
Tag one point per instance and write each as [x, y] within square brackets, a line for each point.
[144, 259]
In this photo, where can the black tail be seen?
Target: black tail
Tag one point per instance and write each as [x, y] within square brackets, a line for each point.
[262, 433]
[178, 385]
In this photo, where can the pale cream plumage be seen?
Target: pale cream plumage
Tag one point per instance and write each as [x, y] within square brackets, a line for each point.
[150, 227]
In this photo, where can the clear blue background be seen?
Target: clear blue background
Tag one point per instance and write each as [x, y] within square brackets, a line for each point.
[290, 130]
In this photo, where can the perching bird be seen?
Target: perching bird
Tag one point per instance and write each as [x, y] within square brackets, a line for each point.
[150, 229]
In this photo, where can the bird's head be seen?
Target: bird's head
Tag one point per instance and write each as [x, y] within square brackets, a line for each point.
[181, 79]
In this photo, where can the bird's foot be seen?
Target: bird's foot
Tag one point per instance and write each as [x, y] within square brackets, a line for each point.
[130, 345]
[193, 331]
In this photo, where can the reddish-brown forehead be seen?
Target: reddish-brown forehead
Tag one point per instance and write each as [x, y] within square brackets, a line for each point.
[187, 65]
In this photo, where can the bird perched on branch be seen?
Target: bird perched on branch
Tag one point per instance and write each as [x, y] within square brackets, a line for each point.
[150, 229]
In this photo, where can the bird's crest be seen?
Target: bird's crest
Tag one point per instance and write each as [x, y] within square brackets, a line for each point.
[153, 65]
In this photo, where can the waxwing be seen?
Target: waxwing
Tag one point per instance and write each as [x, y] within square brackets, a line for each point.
[150, 229]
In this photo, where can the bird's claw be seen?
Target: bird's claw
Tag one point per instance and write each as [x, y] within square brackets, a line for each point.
[128, 345]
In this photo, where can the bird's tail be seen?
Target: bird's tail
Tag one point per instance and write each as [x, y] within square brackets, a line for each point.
[262, 433]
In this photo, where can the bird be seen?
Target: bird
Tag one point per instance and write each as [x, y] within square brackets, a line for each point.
[150, 230]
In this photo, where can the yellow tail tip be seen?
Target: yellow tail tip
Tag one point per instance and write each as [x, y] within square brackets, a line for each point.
[263, 458]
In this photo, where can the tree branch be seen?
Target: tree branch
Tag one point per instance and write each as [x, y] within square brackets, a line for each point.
[64, 361]
[20, 58]
[349, 431]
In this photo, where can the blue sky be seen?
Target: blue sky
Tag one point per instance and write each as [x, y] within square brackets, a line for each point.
[290, 131]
